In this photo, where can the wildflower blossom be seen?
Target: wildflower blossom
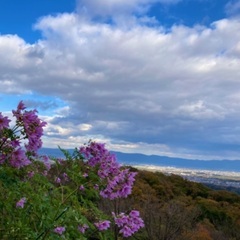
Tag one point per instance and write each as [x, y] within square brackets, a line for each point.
[120, 185]
[4, 122]
[102, 225]
[59, 230]
[32, 125]
[85, 175]
[18, 158]
[83, 228]
[119, 182]
[28, 126]
[82, 188]
[128, 224]
[65, 177]
[58, 180]
[21, 202]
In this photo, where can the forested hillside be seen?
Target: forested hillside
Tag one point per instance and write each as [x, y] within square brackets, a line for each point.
[176, 209]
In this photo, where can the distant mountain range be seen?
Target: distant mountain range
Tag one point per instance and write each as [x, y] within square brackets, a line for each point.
[141, 159]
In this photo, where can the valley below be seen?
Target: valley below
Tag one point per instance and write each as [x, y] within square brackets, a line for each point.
[225, 180]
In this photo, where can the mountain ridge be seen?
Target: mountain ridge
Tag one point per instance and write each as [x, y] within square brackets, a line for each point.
[155, 160]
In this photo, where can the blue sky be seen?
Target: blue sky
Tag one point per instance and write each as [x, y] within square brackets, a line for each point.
[19, 17]
[148, 76]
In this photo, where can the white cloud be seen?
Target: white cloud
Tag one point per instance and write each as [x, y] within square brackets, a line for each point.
[84, 127]
[136, 84]
[200, 110]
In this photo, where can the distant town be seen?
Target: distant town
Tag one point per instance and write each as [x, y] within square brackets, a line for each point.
[225, 180]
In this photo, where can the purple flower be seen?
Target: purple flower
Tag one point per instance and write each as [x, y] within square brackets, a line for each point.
[31, 174]
[29, 127]
[82, 188]
[134, 213]
[59, 230]
[57, 180]
[119, 185]
[15, 143]
[128, 224]
[85, 175]
[65, 177]
[21, 106]
[18, 158]
[102, 225]
[21, 202]
[83, 228]
[126, 231]
[118, 182]
[32, 127]
[4, 122]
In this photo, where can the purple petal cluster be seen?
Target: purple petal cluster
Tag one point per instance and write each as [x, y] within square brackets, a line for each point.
[18, 158]
[32, 125]
[59, 230]
[28, 127]
[4, 122]
[83, 228]
[65, 177]
[81, 188]
[21, 202]
[119, 182]
[57, 180]
[85, 175]
[120, 185]
[102, 225]
[128, 224]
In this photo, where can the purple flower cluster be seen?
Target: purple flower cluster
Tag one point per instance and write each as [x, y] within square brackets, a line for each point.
[59, 230]
[21, 202]
[32, 126]
[4, 122]
[97, 155]
[57, 180]
[28, 126]
[102, 225]
[18, 158]
[81, 188]
[128, 224]
[120, 185]
[119, 182]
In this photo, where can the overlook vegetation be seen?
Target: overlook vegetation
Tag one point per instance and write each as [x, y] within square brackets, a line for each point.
[172, 208]
[176, 209]
[43, 198]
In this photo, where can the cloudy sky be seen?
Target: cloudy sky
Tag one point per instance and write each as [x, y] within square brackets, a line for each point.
[144, 76]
